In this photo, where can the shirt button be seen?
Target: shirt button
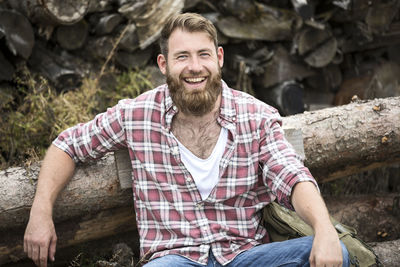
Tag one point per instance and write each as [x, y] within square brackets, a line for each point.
[204, 228]
[175, 150]
[188, 180]
[200, 205]
[174, 108]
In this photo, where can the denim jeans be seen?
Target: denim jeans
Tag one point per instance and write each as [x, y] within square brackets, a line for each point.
[294, 252]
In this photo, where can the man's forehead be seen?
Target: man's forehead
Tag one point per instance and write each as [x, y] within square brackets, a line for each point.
[182, 38]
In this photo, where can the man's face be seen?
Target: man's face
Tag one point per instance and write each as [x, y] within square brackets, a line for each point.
[193, 71]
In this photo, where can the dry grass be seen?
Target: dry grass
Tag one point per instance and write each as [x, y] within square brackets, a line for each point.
[37, 113]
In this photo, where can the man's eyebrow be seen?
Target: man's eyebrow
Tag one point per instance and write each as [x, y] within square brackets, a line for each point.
[181, 52]
[205, 50]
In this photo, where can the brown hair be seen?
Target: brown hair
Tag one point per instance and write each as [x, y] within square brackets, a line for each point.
[190, 22]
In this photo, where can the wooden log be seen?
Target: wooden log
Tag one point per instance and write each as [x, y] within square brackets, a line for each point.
[380, 16]
[18, 33]
[317, 47]
[282, 67]
[385, 39]
[150, 16]
[100, 6]
[130, 41]
[349, 139]
[303, 8]
[381, 81]
[99, 47]
[52, 11]
[270, 25]
[134, 60]
[108, 23]
[51, 66]
[94, 187]
[287, 97]
[76, 230]
[71, 37]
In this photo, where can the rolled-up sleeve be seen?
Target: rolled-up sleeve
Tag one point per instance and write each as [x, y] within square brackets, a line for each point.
[282, 168]
[91, 140]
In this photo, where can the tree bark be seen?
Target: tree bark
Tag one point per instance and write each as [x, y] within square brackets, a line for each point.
[52, 11]
[18, 33]
[74, 36]
[54, 68]
[349, 139]
[94, 187]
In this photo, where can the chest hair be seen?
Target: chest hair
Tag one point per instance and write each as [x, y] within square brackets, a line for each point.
[199, 139]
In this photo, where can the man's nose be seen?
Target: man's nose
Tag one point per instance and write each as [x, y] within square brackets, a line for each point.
[195, 64]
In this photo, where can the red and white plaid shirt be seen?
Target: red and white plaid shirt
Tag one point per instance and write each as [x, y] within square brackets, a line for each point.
[257, 167]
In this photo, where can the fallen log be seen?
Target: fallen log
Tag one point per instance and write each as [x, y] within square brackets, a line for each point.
[344, 140]
[76, 230]
[94, 187]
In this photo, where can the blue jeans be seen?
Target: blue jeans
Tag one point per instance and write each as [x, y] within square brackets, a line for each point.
[294, 252]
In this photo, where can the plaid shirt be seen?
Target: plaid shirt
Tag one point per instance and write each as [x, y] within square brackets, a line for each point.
[257, 167]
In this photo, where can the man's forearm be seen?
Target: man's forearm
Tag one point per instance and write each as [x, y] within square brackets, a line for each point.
[57, 168]
[40, 236]
[308, 203]
[310, 206]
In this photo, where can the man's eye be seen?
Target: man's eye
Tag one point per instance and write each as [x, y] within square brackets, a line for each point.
[181, 57]
[204, 54]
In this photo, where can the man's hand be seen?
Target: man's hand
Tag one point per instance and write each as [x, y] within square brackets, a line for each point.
[326, 249]
[40, 239]
[40, 235]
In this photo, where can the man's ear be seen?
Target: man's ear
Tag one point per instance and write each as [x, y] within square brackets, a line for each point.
[162, 63]
[220, 55]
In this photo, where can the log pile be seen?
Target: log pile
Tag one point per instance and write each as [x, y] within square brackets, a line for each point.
[296, 55]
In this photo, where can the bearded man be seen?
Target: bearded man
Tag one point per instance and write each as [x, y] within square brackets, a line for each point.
[206, 160]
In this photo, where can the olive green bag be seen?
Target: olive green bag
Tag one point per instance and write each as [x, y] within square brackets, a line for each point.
[283, 224]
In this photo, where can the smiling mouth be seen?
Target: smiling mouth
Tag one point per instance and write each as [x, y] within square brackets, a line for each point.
[194, 80]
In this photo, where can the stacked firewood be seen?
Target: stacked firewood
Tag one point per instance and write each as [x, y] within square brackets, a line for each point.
[296, 55]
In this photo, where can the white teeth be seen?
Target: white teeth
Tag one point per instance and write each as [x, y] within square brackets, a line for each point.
[194, 80]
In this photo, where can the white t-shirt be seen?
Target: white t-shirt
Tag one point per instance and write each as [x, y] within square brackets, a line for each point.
[205, 172]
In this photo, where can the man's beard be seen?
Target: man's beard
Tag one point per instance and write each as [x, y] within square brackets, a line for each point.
[196, 102]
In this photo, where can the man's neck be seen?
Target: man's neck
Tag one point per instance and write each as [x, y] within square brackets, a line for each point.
[199, 121]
